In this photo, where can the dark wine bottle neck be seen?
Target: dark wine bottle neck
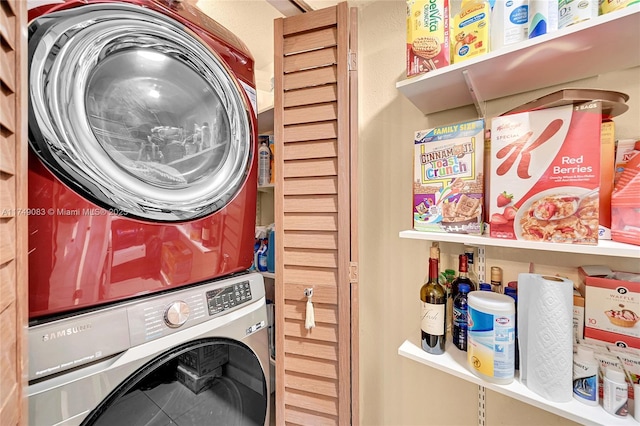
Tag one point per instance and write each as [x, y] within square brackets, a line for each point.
[433, 270]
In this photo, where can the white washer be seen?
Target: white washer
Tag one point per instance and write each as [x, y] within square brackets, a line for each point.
[189, 357]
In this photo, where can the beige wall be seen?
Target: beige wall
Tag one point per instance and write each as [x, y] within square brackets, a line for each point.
[395, 390]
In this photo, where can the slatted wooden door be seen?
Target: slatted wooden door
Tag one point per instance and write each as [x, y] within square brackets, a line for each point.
[13, 211]
[314, 219]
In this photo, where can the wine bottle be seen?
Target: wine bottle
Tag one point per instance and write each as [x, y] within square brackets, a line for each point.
[496, 279]
[434, 302]
[470, 252]
[463, 276]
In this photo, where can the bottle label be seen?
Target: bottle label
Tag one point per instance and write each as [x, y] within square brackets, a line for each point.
[491, 343]
[615, 398]
[460, 317]
[585, 380]
[433, 320]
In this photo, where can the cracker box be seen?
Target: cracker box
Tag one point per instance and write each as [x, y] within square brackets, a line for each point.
[427, 35]
[448, 178]
[545, 174]
[612, 309]
[204, 360]
[195, 383]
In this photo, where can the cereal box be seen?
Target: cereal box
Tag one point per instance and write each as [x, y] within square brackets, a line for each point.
[427, 35]
[545, 174]
[448, 173]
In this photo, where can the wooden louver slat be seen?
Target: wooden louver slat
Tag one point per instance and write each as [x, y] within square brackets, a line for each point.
[313, 384]
[310, 239]
[310, 95]
[308, 78]
[296, 416]
[310, 41]
[323, 313]
[311, 149]
[312, 59]
[322, 350]
[305, 114]
[311, 203]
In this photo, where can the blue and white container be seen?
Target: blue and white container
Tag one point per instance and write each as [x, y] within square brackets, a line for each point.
[585, 376]
[491, 336]
[574, 11]
[509, 23]
[543, 17]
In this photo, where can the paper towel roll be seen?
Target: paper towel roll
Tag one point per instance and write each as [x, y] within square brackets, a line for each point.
[545, 335]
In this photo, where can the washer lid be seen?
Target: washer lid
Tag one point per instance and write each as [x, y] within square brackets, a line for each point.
[134, 112]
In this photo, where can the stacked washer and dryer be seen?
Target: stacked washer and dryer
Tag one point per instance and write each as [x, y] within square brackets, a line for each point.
[142, 192]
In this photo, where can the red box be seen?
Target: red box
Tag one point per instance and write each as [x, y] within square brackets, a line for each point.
[625, 205]
[545, 175]
[612, 310]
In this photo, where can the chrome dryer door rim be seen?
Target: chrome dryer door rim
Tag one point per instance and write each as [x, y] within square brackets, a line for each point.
[91, 64]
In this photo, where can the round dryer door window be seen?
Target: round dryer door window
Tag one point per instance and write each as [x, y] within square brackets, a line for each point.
[137, 113]
[216, 382]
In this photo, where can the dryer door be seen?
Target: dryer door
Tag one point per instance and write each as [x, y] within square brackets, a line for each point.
[207, 382]
[135, 113]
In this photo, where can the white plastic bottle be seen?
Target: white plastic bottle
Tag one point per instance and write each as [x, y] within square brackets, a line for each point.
[614, 392]
[264, 164]
[585, 376]
[509, 22]
[574, 11]
[543, 17]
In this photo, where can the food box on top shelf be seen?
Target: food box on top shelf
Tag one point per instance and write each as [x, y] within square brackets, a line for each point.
[545, 174]
[612, 306]
[625, 204]
[448, 178]
[427, 35]
[613, 104]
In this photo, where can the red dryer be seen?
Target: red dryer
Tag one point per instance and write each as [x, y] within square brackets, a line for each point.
[142, 160]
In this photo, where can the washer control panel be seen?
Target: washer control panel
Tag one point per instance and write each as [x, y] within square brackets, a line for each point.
[221, 299]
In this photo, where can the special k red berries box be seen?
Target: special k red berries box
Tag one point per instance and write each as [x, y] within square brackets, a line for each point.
[545, 174]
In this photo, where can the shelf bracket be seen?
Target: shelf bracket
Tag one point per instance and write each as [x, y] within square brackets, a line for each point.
[477, 99]
[481, 405]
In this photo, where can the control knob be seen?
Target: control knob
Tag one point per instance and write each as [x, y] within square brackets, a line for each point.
[176, 314]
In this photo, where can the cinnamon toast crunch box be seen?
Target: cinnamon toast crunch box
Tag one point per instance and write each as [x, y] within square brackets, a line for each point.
[448, 186]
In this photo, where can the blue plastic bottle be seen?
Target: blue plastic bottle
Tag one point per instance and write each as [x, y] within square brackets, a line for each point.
[460, 317]
[262, 256]
[510, 291]
[271, 251]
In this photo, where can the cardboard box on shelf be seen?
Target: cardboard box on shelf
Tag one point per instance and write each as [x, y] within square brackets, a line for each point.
[448, 181]
[625, 204]
[625, 150]
[204, 360]
[612, 309]
[427, 36]
[578, 314]
[545, 175]
[607, 160]
[194, 382]
[175, 261]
